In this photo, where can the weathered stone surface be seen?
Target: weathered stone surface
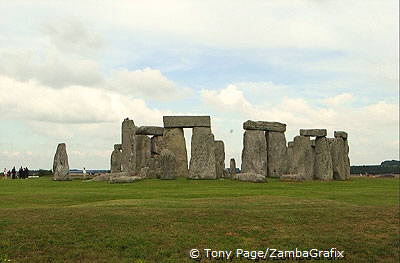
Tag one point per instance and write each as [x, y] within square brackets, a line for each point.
[254, 153]
[264, 126]
[60, 164]
[290, 144]
[174, 140]
[303, 158]
[157, 144]
[168, 165]
[116, 159]
[202, 161]
[226, 174]
[323, 161]
[312, 143]
[144, 172]
[124, 179]
[100, 178]
[289, 156]
[232, 166]
[219, 150]
[340, 134]
[150, 130]
[249, 177]
[128, 147]
[291, 178]
[340, 164]
[155, 167]
[143, 151]
[313, 132]
[186, 121]
[277, 154]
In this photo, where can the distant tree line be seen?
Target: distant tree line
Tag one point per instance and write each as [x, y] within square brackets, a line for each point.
[386, 167]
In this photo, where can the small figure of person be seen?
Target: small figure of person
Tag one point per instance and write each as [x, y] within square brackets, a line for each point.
[8, 174]
[20, 173]
[5, 174]
[26, 173]
[84, 172]
[13, 173]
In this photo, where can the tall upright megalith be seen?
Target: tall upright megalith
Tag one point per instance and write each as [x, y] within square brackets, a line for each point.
[339, 153]
[128, 147]
[323, 161]
[60, 164]
[202, 161]
[116, 159]
[302, 158]
[219, 150]
[143, 151]
[232, 166]
[174, 140]
[254, 153]
[277, 154]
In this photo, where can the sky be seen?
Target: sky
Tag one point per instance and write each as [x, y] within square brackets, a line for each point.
[71, 71]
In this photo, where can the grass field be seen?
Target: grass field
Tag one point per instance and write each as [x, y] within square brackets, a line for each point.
[160, 221]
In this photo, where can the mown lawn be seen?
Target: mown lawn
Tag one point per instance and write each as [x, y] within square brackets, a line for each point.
[160, 221]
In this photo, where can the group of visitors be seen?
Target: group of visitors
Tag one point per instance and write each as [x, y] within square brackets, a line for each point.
[22, 173]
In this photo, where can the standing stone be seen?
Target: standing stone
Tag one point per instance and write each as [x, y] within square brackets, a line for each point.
[289, 157]
[128, 147]
[302, 158]
[116, 158]
[219, 150]
[143, 151]
[157, 144]
[323, 160]
[174, 140]
[202, 161]
[60, 164]
[232, 166]
[254, 153]
[277, 154]
[168, 165]
[155, 167]
[339, 159]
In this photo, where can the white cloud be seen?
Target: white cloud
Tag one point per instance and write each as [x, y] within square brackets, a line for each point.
[338, 99]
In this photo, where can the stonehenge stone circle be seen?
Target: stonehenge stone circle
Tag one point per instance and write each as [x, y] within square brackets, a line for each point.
[116, 159]
[254, 153]
[277, 154]
[174, 140]
[186, 121]
[303, 158]
[264, 126]
[232, 166]
[143, 151]
[157, 144]
[128, 146]
[202, 161]
[249, 177]
[323, 161]
[219, 150]
[150, 130]
[60, 164]
[313, 132]
[168, 165]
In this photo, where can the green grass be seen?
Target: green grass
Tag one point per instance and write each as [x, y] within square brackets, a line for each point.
[160, 221]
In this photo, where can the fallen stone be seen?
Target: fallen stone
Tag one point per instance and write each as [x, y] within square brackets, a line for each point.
[340, 134]
[277, 154]
[168, 165]
[186, 121]
[313, 132]
[254, 153]
[116, 159]
[128, 147]
[150, 130]
[291, 178]
[264, 126]
[124, 179]
[157, 144]
[303, 158]
[174, 140]
[60, 164]
[219, 150]
[143, 151]
[249, 177]
[232, 166]
[100, 178]
[323, 161]
[202, 161]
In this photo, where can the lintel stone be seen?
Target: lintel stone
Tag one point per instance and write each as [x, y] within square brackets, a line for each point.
[264, 126]
[186, 121]
[313, 132]
[340, 134]
[150, 130]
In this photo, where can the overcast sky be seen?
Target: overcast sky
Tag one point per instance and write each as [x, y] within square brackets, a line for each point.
[71, 71]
